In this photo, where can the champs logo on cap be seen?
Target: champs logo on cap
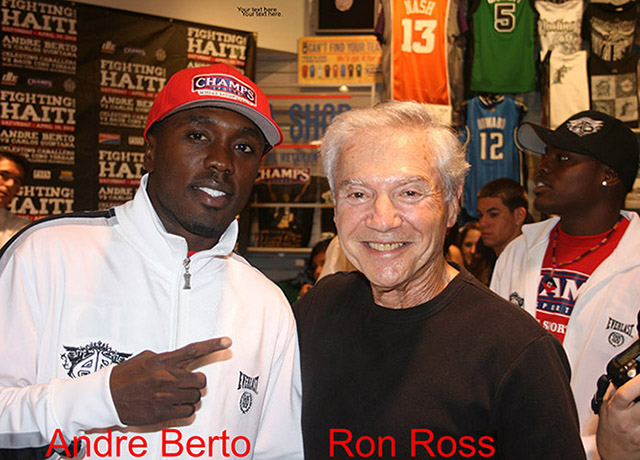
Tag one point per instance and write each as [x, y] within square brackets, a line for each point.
[584, 126]
[225, 87]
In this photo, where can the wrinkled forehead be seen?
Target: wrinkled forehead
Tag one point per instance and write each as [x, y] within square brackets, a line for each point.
[388, 153]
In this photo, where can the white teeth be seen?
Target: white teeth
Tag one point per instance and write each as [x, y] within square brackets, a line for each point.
[211, 192]
[539, 184]
[385, 246]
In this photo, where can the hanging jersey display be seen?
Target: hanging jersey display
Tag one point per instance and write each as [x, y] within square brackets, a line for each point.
[503, 46]
[612, 29]
[568, 86]
[423, 57]
[614, 87]
[491, 149]
[559, 26]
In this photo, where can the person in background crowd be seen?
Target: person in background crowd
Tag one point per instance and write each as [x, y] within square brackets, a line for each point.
[502, 210]
[85, 294]
[577, 273]
[451, 250]
[468, 239]
[13, 171]
[335, 260]
[408, 348]
[482, 263]
[298, 286]
[478, 258]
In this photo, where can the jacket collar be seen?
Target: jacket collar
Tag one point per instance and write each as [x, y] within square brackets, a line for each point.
[142, 226]
[536, 238]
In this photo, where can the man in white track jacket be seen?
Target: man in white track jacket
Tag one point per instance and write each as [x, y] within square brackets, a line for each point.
[578, 274]
[85, 294]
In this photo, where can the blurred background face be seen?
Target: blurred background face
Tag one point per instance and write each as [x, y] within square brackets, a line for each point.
[11, 177]
[469, 245]
[318, 263]
[498, 224]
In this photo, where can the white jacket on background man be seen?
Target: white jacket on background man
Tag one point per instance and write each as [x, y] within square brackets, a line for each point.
[603, 322]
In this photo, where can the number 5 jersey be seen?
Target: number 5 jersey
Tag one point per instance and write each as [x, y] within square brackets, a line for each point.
[503, 53]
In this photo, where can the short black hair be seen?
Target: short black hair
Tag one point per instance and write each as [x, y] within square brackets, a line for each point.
[19, 160]
[511, 193]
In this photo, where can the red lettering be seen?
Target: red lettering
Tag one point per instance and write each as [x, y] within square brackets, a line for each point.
[96, 445]
[224, 438]
[77, 445]
[62, 445]
[142, 445]
[333, 441]
[199, 445]
[470, 446]
[380, 445]
[491, 451]
[424, 444]
[176, 441]
[454, 446]
[247, 446]
[372, 445]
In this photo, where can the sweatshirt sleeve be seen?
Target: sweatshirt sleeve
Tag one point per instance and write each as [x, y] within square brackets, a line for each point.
[280, 435]
[536, 408]
[33, 403]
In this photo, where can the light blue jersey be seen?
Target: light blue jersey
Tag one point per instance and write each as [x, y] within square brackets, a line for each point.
[491, 150]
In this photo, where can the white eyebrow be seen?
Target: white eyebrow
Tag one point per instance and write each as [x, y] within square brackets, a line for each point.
[406, 180]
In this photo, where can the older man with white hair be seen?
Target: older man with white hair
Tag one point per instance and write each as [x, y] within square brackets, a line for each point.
[411, 356]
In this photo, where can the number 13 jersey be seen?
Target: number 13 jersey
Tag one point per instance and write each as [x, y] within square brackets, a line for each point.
[424, 60]
[503, 46]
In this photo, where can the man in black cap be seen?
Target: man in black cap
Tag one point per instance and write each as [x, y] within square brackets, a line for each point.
[577, 273]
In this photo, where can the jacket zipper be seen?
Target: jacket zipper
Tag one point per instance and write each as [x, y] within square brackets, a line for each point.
[187, 276]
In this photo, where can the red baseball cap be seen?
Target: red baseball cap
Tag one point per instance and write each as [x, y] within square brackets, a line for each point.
[218, 85]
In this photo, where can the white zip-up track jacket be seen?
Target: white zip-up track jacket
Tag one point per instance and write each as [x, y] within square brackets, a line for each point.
[81, 293]
[603, 321]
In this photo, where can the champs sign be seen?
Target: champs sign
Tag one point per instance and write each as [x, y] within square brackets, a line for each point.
[224, 86]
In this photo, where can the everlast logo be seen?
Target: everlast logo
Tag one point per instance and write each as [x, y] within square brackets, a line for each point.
[618, 326]
[248, 383]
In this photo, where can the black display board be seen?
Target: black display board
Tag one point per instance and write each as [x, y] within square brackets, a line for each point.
[77, 82]
[346, 16]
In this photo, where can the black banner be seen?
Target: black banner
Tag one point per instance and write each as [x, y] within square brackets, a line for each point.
[77, 82]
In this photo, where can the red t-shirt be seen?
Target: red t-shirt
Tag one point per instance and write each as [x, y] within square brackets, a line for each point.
[557, 294]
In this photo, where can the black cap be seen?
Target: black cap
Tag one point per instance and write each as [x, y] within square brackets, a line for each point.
[591, 133]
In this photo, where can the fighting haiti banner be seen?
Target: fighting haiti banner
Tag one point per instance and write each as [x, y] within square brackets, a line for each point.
[76, 84]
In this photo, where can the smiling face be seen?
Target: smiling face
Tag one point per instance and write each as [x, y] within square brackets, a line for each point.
[11, 177]
[566, 182]
[391, 214]
[202, 164]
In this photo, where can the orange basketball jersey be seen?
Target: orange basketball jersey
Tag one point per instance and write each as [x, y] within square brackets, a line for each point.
[419, 62]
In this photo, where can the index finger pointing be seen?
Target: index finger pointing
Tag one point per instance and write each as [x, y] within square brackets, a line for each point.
[189, 353]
